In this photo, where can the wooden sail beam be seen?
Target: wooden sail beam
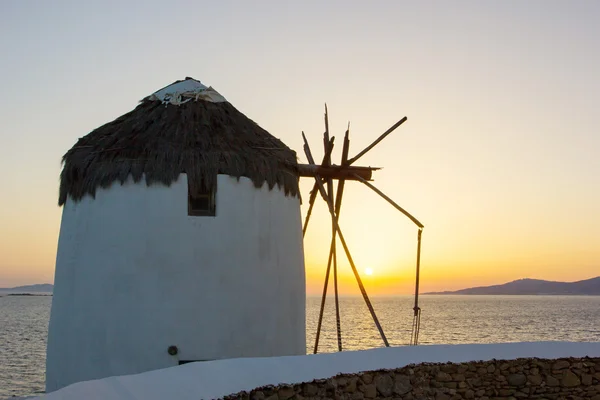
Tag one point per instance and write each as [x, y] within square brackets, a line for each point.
[379, 139]
[336, 172]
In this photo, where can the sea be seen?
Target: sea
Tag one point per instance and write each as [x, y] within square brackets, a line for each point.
[445, 319]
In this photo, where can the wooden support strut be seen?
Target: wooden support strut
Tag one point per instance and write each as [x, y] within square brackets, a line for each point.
[313, 192]
[392, 202]
[344, 245]
[338, 207]
[322, 309]
[336, 171]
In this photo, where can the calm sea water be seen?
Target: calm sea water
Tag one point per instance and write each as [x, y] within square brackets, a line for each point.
[445, 319]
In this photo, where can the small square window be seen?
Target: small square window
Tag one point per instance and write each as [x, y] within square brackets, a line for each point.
[201, 204]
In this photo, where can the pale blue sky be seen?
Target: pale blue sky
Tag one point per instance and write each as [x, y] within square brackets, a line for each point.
[499, 157]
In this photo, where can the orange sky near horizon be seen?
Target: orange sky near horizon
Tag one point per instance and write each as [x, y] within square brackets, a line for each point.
[498, 158]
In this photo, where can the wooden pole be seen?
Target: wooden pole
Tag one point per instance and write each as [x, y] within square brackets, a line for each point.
[332, 249]
[326, 162]
[392, 202]
[418, 270]
[338, 207]
[379, 139]
[417, 310]
[344, 245]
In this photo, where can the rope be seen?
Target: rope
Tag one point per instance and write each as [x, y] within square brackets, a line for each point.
[414, 338]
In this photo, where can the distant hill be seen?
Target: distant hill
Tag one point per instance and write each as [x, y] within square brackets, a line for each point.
[536, 287]
[44, 287]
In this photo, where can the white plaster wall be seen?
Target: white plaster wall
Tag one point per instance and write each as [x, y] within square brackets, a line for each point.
[135, 274]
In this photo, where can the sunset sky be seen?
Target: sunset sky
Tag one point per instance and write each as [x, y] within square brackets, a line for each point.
[499, 158]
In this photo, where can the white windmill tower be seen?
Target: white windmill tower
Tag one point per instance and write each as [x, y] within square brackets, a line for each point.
[180, 241]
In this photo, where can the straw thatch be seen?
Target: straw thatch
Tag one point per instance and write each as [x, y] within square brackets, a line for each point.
[159, 142]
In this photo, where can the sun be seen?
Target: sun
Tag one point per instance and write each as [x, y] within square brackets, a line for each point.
[369, 271]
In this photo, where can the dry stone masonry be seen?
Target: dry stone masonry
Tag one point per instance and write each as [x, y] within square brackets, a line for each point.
[527, 378]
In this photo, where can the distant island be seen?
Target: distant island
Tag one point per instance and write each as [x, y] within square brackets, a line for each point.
[588, 287]
[29, 289]
[25, 294]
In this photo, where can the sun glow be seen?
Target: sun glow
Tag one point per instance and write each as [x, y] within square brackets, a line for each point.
[369, 271]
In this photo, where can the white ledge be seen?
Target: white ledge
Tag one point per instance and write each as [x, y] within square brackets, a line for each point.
[214, 379]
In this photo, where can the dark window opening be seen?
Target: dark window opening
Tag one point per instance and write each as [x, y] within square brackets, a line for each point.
[202, 204]
[181, 362]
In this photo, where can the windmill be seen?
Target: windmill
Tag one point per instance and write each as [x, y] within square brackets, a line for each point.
[201, 203]
[324, 175]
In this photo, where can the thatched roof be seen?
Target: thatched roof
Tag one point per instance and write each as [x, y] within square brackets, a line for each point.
[159, 140]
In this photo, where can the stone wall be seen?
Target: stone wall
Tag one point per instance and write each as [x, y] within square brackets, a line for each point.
[528, 378]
